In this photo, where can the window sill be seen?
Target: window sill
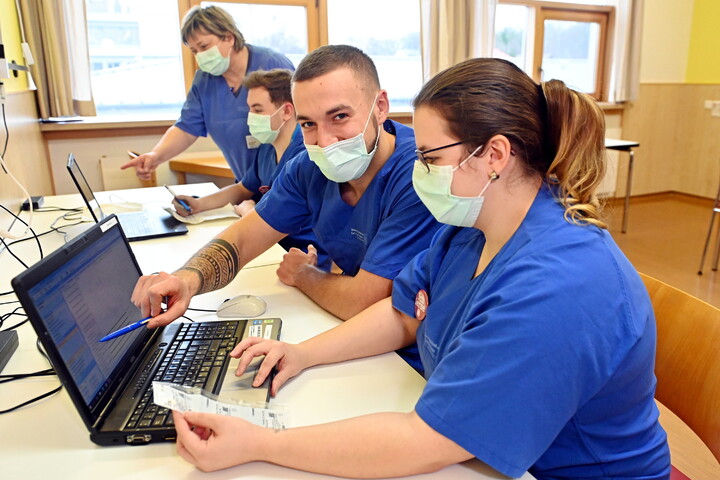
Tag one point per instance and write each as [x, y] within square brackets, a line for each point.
[84, 127]
[121, 126]
[611, 107]
[87, 127]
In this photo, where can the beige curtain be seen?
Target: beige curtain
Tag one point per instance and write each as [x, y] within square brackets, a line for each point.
[56, 31]
[455, 30]
[625, 69]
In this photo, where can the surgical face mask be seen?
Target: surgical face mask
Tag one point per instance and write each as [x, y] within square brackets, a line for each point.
[433, 188]
[260, 126]
[347, 159]
[212, 61]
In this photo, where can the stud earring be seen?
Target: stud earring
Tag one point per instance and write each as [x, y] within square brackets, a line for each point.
[493, 175]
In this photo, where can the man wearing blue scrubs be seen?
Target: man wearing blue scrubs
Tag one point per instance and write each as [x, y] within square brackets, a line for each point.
[355, 183]
[272, 123]
[216, 104]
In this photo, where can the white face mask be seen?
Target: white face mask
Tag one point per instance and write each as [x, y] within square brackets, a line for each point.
[212, 61]
[433, 188]
[347, 159]
[260, 126]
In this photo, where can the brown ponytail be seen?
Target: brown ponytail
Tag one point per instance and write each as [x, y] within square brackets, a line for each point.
[576, 129]
[556, 132]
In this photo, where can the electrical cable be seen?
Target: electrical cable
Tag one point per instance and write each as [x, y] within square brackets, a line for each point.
[5, 233]
[2, 240]
[27, 227]
[20, 376]
[5, 316]
[32, 400]
[52, 208]
[7, 135]
[202, 310]
[53, 229]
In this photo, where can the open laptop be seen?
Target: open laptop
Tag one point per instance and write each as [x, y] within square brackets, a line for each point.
[142, 225]
[80, 293]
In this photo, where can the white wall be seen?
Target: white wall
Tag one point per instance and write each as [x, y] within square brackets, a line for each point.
[89, 151]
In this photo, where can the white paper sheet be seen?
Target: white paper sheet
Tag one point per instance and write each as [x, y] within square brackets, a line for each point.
[176, 397]
[217, 213]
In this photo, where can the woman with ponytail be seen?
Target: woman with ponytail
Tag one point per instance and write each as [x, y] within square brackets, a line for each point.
[536, 334]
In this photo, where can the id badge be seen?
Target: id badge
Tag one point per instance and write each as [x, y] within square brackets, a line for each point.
[252, 142]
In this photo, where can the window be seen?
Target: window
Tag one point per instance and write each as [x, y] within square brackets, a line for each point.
[556, 40]
[135, 56]
[294, 27]
[138, 63]
[283, 28]
[392, 40]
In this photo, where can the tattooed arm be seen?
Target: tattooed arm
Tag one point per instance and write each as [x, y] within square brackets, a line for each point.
[215, 265]
[211, 268]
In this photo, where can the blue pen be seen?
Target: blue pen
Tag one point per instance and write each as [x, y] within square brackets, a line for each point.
[126, 329]
[177, 199]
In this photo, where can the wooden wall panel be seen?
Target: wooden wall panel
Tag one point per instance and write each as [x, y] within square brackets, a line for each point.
[26, 154]
[679, 140]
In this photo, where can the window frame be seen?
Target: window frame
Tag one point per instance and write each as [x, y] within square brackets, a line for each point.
[316, 26]
[540, 11]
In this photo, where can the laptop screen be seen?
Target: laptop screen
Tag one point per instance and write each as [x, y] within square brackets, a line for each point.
[84, 299]
[84, 188]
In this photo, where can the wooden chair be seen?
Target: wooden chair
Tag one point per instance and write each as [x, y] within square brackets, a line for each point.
[687, 364]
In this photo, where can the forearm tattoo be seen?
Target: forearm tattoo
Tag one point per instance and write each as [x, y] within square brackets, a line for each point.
[216, 265]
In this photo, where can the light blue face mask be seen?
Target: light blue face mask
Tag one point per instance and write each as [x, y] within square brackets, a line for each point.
[434, 189]
[347, 159]
[261, 128]
[212, 61]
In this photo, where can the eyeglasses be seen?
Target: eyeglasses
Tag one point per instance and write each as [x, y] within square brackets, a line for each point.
[421, 154]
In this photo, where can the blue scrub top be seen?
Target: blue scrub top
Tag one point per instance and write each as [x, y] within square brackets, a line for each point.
[259, 179]
[387, 227]
[212, 108]
[260, 175]
[543, 362]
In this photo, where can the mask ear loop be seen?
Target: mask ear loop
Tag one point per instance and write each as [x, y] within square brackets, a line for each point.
[273, 114]
[367, 122]
[468, 158]
[493, 176]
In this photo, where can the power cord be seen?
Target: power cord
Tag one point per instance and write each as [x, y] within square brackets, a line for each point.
[5, 316]
[7, 132]
[28, 227]
[3, 232]
[21, 376]
[202, 310]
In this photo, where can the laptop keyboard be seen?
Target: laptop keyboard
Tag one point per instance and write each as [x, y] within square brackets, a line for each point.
[197, 358]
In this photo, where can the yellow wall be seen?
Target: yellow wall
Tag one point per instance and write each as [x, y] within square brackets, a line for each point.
[704, 52]
[10, 26]
[666, 39]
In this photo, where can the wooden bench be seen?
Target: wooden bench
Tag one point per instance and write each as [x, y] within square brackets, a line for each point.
[215, 166]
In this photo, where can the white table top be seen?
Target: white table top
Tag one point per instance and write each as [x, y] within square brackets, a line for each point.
[48, 439]
[616, 144]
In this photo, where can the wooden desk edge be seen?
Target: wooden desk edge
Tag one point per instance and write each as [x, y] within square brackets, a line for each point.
[213, 166]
